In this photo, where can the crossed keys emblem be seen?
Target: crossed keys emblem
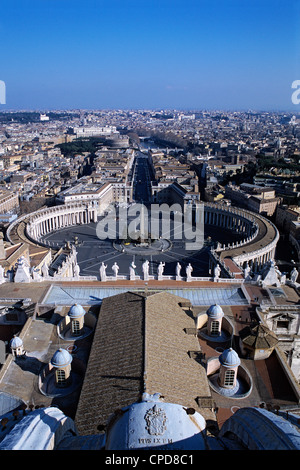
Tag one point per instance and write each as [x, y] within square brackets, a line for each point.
[155, 419]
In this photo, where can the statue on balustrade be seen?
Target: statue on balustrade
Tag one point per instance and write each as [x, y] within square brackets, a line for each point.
[35, 274]
[247, 271]
[45, 271]
[189, 270]
[76, 270]
[115, 269]
[160, 269]
[146, 270]
[217, 272]
[178, 270]
[132, 271]
[103, 272]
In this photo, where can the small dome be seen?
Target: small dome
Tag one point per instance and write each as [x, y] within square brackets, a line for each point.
[61, 358]
[229, 358]
[215, 311]
[76, 311]
[16, 342]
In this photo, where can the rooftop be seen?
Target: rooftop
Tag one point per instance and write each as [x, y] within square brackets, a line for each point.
[147, 330]
[223, 295]
[126, 352]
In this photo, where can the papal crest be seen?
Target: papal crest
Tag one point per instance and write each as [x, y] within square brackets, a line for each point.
[156, 419]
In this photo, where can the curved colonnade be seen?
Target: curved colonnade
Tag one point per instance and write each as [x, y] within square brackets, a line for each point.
[44, 221]
[258, 242]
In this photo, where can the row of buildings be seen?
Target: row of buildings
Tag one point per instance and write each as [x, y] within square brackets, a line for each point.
[175, 362]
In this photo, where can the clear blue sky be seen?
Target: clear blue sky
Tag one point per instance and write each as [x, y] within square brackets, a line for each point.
[134, 54]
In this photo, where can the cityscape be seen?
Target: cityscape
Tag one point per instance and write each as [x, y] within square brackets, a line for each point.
[149, 265]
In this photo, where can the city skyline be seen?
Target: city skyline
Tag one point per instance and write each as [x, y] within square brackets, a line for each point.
[149, 55]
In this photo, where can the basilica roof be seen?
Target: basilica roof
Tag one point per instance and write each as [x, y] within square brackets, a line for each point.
[140, 344]
[114, 375]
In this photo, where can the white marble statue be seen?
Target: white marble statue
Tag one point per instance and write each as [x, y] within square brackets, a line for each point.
[44, 270]
[189, 270]
[76, 270]
[145, 267]
[294, 275]
[247, 272]
[36, 275]
[115, 269]
[73, 254]
[132, 271]
[160, 269]
[217, 272]
[178, 269]
[103, 268]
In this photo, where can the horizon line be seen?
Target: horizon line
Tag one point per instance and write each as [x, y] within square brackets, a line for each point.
[195, 110]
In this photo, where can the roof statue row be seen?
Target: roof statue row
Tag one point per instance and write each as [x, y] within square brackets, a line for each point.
[145, 268]
[70, 270]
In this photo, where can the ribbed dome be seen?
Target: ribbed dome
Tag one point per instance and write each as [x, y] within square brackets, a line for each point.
[215, 311]
[16, 342]
[76, 311]
[229, 358]
[61, 358]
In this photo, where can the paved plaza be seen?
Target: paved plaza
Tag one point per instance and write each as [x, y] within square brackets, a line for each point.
[92, 252]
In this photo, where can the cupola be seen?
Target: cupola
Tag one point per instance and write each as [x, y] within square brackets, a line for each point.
[214, 320]
[76, 315]
[229, 363]
[61, 361]
[16, 345]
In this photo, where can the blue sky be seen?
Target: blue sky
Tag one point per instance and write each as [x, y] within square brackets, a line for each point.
[149, 54]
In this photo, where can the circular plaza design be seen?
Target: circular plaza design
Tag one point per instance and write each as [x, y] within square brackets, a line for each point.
[92, 252]
[229, 233]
